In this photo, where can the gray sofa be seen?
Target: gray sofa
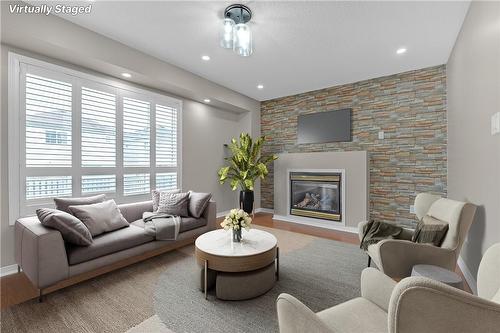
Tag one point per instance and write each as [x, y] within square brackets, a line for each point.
[46, 259]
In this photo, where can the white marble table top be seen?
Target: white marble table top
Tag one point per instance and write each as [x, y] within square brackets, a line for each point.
[219, 242]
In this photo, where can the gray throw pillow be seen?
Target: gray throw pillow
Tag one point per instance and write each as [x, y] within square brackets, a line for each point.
[72, 229]
[198, 202]
[64, 203]
[174, 203]
[155, 196]
[100, 217]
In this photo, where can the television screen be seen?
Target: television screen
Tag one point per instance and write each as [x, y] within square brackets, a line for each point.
[321, 127]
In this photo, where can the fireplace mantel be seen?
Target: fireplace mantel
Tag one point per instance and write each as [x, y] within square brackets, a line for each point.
[353, 168]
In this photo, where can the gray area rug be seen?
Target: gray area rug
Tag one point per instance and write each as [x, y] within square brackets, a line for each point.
[322, 274]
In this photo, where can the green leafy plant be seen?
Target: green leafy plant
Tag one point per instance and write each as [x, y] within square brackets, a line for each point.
[245, 164]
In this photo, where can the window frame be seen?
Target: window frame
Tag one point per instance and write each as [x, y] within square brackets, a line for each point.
[18, 65]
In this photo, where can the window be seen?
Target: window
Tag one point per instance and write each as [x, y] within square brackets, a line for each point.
[74, 134]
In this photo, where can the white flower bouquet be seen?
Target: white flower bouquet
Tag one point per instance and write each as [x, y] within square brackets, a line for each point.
[236, 220]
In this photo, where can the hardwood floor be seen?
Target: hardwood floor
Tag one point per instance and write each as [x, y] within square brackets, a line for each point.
[16, 288]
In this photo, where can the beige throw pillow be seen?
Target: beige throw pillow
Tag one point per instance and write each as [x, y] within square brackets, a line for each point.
[72, 229]
[174, 203]
[100, 217]
[198, 202]
[64, 203]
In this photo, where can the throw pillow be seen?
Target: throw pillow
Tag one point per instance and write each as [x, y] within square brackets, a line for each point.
[64, 203]
[174, 203]
[430, 230]
[72, 229]
[100, 217]
[155, 195]
[198, 202]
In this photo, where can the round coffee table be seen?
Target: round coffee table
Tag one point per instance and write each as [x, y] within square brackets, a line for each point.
[250, 263]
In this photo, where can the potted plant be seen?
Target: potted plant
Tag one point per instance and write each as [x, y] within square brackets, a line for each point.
[245, 166]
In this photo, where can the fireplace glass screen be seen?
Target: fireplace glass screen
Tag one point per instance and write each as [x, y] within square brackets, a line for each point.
[316, 195]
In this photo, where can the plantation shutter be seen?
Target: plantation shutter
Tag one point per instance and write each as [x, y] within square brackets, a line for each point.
[166, 136]
[98, 128]
[134, 184]
[136, 132]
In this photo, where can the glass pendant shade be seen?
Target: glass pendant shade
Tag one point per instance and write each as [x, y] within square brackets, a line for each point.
[226, 33]
[242, 44]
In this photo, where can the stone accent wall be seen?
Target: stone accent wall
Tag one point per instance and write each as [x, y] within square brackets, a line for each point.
[409, 107]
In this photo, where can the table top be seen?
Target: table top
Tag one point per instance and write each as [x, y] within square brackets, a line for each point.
[436, 273]
[219, 243]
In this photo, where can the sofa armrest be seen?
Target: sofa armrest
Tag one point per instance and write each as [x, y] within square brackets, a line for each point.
[210, 214]
[423, 305]
[397, 257]
[295, 317]
[40, 252]
[377, 287]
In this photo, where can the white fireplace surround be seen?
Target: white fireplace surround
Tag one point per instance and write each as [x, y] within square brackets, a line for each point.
[353, 166]
[315, 221]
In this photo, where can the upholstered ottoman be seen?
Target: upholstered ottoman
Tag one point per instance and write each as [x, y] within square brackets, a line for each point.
[245, 285]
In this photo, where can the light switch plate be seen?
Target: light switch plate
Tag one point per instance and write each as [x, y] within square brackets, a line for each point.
[412, 209]
[381, 135]
[495, 123]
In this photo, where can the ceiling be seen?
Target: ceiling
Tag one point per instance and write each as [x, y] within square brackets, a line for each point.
[298, 46]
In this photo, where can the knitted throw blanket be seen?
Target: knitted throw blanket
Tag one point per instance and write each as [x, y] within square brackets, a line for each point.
[374, 232]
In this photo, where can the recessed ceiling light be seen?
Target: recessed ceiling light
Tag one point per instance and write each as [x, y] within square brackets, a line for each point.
[205, 57]
[127, 75]
[260, 86]
[206, 100]
[401, 50]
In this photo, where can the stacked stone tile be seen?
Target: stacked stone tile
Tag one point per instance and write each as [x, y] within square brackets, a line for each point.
[409, 107]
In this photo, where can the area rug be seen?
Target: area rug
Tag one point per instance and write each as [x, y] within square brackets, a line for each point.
[128, 298]
[321, 274]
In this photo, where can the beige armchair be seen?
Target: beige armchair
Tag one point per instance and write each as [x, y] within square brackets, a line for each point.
[396, 257]
[414, 305]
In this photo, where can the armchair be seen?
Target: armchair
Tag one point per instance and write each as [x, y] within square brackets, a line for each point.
[414, 305]
[396, 257]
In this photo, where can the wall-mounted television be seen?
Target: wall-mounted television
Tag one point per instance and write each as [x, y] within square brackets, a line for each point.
[322, 127]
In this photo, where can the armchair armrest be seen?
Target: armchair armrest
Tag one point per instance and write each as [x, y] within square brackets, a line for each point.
[40, 252]
[295, 317]
[210, 214]
[424, 305]
[377, 287]
[397, 257]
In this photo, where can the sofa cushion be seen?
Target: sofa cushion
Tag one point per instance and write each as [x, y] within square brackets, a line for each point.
[108, 243]
[72, 229]
[187, 223]
[100, 217]
[198, 202]
[64, 203]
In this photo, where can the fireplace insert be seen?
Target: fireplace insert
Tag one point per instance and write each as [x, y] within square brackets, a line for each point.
[316, 195]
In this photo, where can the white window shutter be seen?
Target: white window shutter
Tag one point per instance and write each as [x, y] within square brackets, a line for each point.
[134, 184]
[166, 136]
[136, 132]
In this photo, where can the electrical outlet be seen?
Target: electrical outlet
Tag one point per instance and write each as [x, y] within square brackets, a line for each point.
[381, 135]
[495, 123]
[412, 209]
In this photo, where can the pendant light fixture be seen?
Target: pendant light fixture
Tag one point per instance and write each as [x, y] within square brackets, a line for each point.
[235, 32]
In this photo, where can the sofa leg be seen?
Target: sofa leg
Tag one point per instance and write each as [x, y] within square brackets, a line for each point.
[18, 269]
[40, 295]
[369, 261]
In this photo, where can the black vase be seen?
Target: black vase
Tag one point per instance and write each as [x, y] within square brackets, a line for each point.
[246, 201]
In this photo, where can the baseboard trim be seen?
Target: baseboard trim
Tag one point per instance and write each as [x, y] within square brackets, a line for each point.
[264, 210]
[284, 218]
[8, 270]
[471, 281]
[222, 214]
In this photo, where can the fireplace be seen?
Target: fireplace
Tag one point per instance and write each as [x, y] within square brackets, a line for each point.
[316, 195]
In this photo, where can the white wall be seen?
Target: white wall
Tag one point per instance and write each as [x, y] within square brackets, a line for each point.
[205, 127]
[473, 153]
